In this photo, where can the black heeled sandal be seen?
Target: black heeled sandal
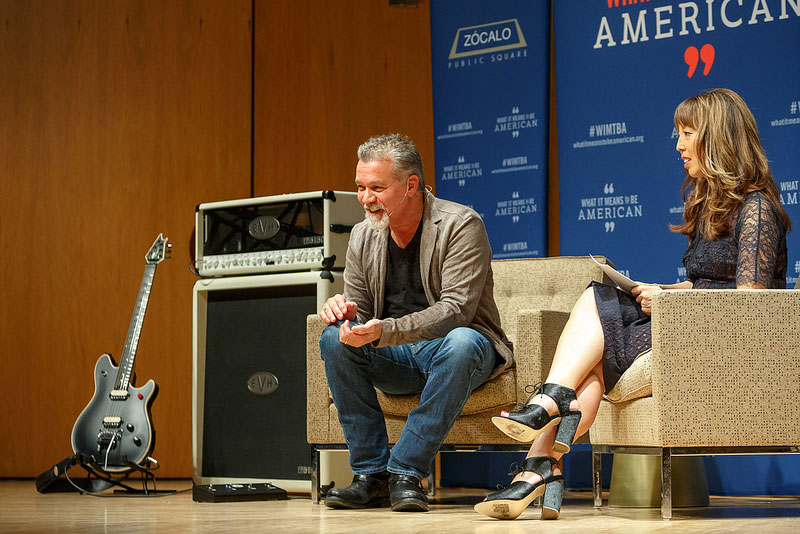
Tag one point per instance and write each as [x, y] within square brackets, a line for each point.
[510, 502]
[532, 419]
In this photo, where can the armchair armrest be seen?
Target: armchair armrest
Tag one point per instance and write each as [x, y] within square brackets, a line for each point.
[318, 398]
[725, 367]
[537, 336]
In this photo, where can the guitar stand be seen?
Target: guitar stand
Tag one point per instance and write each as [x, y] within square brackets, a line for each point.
[98, 479]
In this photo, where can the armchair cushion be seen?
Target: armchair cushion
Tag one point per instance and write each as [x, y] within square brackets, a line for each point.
[636, 382]
[491, 396]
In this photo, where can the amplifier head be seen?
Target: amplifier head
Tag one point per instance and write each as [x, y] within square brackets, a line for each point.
[293, 232]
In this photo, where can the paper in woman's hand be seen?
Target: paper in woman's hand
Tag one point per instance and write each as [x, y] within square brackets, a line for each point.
[624, 283]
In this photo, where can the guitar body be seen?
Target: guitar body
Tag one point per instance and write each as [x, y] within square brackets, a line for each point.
[115, 430]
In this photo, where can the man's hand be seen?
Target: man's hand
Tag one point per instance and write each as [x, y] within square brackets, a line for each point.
[360, 334]
[644, 296]
[337, 308]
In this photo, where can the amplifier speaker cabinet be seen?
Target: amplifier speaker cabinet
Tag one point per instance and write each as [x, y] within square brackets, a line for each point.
[281, 233]
[249, 378]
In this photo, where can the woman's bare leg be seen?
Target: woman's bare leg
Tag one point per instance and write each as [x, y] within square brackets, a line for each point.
[580, 346]
[578, 353]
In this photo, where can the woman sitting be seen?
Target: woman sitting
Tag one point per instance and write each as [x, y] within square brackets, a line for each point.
[736, 229]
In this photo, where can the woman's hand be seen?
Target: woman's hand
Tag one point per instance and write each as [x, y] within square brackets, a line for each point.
[644, 296]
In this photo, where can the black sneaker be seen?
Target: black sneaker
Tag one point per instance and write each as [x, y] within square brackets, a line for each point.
[406, 495]
[366, 491]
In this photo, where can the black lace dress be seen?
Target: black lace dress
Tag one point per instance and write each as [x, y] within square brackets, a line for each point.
[755, 252]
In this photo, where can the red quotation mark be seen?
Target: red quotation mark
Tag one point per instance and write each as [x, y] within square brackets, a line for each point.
[691, 56]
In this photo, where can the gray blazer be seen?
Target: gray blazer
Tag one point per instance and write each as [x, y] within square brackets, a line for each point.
[456, 269]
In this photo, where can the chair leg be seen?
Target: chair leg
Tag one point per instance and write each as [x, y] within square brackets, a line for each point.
[666, 483]
[315, 485]
[597, 490]
[431, 485]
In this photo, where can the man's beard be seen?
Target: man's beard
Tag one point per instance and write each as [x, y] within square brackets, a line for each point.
[379, 220]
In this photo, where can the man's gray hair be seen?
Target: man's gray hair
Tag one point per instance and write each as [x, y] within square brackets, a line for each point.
[398, 149]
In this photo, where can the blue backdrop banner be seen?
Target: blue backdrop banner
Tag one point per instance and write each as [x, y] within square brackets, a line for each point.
[490, 65]
[622, 66]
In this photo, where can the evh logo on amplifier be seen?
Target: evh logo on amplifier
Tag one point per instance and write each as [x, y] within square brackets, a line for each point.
[262, 383]
[264, 227]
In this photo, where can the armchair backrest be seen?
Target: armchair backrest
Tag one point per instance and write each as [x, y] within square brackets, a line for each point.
[540, 283]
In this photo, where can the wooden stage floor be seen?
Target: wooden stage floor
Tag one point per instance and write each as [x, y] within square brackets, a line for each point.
[22, 509]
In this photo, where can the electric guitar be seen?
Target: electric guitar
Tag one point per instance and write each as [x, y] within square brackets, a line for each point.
[115, 428]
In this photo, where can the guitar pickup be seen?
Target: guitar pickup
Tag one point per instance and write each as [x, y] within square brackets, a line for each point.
[119, 394]
[112, 422]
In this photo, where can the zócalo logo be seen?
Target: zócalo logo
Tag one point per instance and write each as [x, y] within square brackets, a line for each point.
[487, 38]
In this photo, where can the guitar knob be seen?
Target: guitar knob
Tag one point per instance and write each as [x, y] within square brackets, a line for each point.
[129, 426]
[137, 441]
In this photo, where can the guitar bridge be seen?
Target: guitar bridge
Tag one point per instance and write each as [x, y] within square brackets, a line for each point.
[106, 438]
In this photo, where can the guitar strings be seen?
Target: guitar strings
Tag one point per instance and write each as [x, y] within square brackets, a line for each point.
[122, 382]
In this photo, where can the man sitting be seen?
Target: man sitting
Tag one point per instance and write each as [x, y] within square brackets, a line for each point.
[417, 316]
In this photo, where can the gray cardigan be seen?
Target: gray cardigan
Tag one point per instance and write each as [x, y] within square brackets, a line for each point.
[456, 269]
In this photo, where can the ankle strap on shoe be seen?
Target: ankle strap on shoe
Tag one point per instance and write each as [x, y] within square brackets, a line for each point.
[542, 465]
[562, 396]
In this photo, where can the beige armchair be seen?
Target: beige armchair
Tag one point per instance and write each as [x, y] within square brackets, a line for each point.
[534, 297]
[722, 377]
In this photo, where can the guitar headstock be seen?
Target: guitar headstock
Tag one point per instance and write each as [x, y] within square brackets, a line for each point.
[158, 250]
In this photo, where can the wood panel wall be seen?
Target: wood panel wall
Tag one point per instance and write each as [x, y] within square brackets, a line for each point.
[118, 118]
[328, 76]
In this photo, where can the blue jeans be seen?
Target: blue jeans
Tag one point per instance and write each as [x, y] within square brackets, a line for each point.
[445, 370]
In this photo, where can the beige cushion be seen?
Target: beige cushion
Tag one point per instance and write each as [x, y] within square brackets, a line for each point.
[634, 423]
[495, 394]
[636, 382]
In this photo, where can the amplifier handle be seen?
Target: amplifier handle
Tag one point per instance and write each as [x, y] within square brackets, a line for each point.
[341, 228]
[329, 261]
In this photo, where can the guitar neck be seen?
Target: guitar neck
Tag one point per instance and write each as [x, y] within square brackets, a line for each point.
[135, 329]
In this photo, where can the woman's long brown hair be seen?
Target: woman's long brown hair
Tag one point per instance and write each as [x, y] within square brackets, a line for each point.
[729, 151]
